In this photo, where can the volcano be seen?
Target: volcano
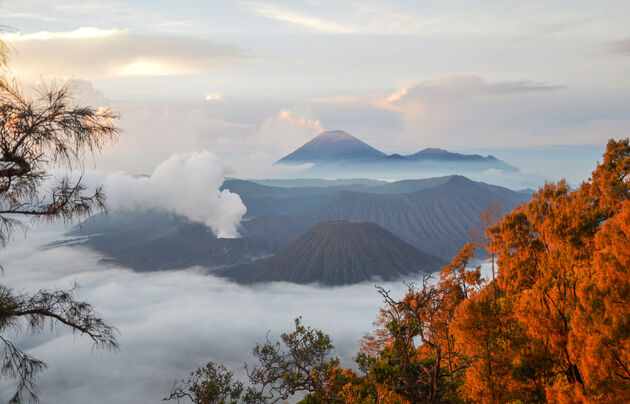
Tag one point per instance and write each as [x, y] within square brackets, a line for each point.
[332, 146]
[339, 253]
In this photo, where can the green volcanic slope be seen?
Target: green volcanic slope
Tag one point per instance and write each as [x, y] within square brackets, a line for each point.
[339, 253]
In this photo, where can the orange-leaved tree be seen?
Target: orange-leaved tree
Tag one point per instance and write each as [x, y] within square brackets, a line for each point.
[555, 257]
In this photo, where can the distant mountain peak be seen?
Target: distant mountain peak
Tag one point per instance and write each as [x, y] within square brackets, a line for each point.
[334, 136]
[332, 146]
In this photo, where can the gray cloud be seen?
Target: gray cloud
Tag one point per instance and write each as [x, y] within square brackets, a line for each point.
[621, 47]
[170, 322]
[469, 86]
[563, 25]
[466, 111]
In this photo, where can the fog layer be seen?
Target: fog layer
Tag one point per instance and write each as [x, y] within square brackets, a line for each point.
[169, 322]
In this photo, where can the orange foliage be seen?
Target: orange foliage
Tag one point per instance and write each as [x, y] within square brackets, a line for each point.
[566, 276]
[602, 324]
[552, 326]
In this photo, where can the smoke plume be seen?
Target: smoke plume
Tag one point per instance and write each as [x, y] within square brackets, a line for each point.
[185, 184]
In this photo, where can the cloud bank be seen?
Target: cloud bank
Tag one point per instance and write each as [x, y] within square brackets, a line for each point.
[169, 322]
[92, 53]
[467, 111]
[463, 113]
[184, 184]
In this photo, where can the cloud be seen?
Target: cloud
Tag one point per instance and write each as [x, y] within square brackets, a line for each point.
[564, 25]
[280, 13]
[84, 32]
[91, 7]
[463, 87]
[169, 322]
[92, 53]
[248, 134]
[619, 47]
[444, 19]
[286, 131]
[449, 90]
[300, 122]
[466, 111]
[347, 18]
[462, 113]
[153, 130]
[185, 184]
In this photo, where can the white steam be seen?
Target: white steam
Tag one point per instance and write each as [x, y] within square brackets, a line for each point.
[185, 184]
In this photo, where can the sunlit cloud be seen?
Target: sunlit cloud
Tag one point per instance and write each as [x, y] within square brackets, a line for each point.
[300, 122]
[84, 32]
[213, 97]
[280, 13]
[397, 95]
[285, 132]
[145, 69]
[93, 53]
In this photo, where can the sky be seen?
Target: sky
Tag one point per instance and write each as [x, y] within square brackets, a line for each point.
[252, 80]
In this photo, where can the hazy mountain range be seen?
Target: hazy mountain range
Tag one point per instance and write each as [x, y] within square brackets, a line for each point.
[435, 216]
[344, 151]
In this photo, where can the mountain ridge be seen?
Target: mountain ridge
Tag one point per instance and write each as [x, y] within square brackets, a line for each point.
[436, 219]
[339, 148]
[434, 215]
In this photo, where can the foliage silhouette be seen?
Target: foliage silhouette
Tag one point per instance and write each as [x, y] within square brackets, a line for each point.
[38, 135]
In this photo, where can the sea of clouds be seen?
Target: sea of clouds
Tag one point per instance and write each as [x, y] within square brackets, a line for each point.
[169, 322]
